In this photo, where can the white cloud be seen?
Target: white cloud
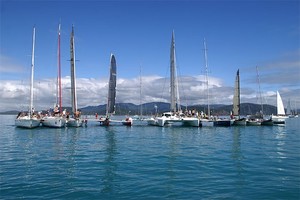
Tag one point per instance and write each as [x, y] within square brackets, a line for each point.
[93, 92]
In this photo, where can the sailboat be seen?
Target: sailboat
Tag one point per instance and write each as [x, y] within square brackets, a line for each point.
[280, 117]
[238, 121]
[56, 119]
[30, 119]
[74, 120]
[111, 100]
[175, 114]
[206, 120]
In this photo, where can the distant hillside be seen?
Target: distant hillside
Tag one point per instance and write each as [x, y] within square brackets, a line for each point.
[150, 108]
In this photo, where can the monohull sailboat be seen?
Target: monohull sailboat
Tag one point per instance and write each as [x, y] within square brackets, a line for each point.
[238, 121]
[73, 120]
[56, 119]
[111, 100]
[280, 117]
[29, 119]
[259, 118]
[175, 115]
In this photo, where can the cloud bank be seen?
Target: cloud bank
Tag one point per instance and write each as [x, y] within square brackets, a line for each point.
[93, 92]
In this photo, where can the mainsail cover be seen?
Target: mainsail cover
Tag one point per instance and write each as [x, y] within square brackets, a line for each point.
[73, 81]
[110, 109]
[236, 97]
[175, 101]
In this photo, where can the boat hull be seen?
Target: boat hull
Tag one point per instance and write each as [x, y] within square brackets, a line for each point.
[240, 122]
[268, 122]
[127, 122]
[27, 122]
[54, 122]
[224, 123]
[206, 123]
[279, 119]
[253, 123]
[72, 122]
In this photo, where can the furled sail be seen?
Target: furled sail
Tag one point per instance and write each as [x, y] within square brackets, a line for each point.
[73, 72]
[236, 97]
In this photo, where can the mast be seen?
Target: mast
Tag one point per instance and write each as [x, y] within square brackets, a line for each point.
[236, 97]
[260, 96]
[32, 73]
[73, 73]
[59, 73]
[141, 107]
[112, 86]
[173, 78]
[206, 77]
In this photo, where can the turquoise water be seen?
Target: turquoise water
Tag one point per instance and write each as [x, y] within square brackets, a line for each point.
[143, 162]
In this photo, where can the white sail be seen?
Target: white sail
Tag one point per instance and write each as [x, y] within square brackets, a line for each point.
[280, 107]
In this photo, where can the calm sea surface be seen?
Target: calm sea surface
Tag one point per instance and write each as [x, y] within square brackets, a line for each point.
[143, 162]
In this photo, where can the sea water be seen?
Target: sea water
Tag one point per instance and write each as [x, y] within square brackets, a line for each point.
[145, 162]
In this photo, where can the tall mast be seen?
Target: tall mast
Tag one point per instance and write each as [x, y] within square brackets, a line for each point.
[206, 77]
[32, 73]
[141, 107]
[173, 78]
[59, 73]
[259, 90]
[73, 73]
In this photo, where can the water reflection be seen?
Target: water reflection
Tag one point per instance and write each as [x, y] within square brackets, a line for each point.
[237, 155]
[110, 164]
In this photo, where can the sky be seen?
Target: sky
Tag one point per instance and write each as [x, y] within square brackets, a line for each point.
[239, 35]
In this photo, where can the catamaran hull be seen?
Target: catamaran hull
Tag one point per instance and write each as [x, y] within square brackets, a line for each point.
[54, 122]
[27, 122]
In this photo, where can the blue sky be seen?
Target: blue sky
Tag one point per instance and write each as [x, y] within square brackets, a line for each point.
[239, 34]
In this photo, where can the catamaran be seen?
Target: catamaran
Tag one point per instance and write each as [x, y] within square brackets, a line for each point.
[175, 115]
[280, 117]
[73, 120]
[56, 119]
[111, 100]
[30, 119]
[238, 121]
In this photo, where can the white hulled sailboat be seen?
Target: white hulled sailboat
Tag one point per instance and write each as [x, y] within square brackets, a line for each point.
[280, 117]
[238, 121]
[30, 119]
[175, 115]
[56, 119]
[206, 121]
[73, 120]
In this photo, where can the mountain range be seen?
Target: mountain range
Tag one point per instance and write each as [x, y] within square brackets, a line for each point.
[150, 108]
